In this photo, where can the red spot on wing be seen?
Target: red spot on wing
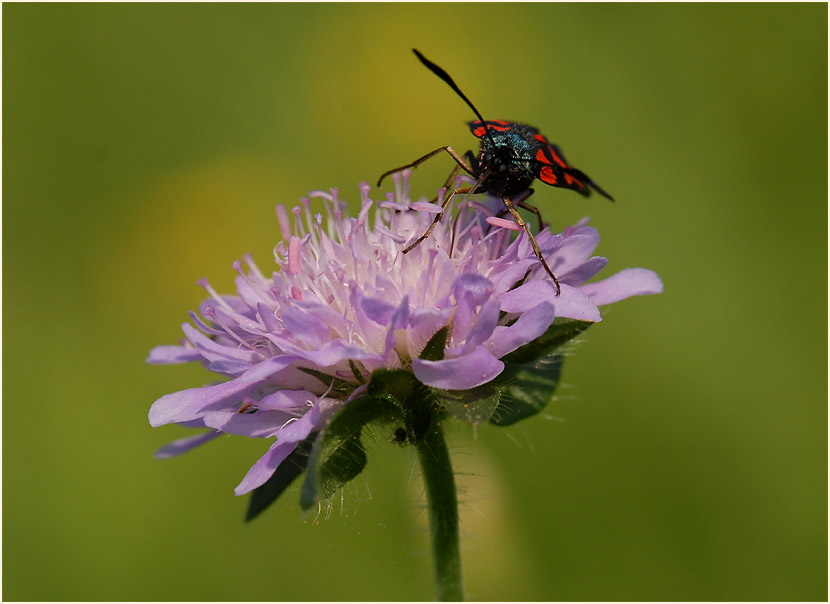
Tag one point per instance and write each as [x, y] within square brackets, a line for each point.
[556, 157]
[570, 180]
[546, 174]
[479, 129]
[541, 138]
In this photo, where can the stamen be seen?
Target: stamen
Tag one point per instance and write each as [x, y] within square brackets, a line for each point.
[227, 323]
[203, 282]
[426, 206]
[298, 221]
[202, 326]
[405, 184]
[398, 239]
[320, 194]
[503, 223]
[364, 211]
[282, 219]
[294, 261]
[306, 203]
[253, 267]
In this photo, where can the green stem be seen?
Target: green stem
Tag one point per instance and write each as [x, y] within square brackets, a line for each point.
[443, 513]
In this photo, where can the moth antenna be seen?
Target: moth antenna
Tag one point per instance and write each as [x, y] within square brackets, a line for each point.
[446, 77]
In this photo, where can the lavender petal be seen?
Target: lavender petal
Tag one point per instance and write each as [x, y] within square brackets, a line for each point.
[183, 445]
[164, 355]
[191, 403]
[265, 467]
[529, 326]
[628, 282]
[460, 373]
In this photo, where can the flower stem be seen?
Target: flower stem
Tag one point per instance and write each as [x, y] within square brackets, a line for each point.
[443, 513]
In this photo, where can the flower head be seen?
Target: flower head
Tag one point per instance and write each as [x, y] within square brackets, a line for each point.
[295, 347]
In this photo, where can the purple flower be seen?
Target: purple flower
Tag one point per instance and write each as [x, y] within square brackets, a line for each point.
[294, 347]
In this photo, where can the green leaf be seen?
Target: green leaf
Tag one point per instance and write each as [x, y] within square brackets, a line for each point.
[413, 400]
[560, 332]
[394, 385]
[474, 406]
[531, 373]
[293, 465]
[434, 350]
[338, 455]
[526, 389]
[356, 372]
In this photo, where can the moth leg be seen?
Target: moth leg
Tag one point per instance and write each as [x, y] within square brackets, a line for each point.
[521, 203]
[520, 221]
[438, 217]
[458, 160]
[448, 183]
[526, 206]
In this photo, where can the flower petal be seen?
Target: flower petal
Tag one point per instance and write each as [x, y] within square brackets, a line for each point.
[477, 286]
[423, 324]
[628, 282]
[213, 351]
[486, 322]
[265, 467]
[191, 403]
[571, 303]
[285, 399]
[163, 355]
[378, 310]
[267, 368]
[297, 430]
[584, 271]
[261, 424]
[460, 373]
[183, 445]
[398, 320]
[529, 326]
[305, 327]
[574, 249]
[332, 353]
[527, 295]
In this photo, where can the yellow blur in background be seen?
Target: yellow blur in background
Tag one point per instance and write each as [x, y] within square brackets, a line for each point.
[146, 145]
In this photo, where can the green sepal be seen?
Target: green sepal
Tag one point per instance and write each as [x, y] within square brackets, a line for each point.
[291, 467]
[338, 455]
[434, 350]
[560, 332]
[474, 406]
[525, 386]
[413, 399]
[525, 389]
[531, 373]
[394, 385]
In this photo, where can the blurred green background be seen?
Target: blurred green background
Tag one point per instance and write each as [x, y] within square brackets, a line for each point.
[145, 146]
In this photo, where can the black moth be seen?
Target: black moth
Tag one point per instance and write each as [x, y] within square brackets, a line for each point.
[510, 158]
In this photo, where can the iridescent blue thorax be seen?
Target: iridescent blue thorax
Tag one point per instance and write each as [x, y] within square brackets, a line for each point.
[505, 159]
